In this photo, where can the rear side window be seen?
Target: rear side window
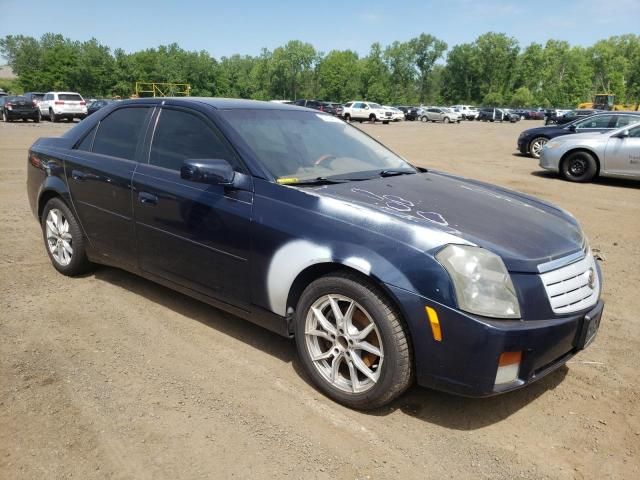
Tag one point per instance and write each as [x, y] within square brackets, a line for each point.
[118, 135]
[70, 97]
[87, 141]
[181, 135]
[635, 132]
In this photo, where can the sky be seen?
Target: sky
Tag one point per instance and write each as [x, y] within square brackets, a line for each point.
[246, 26]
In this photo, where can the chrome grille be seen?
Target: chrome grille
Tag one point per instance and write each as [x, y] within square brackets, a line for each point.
[569, 288]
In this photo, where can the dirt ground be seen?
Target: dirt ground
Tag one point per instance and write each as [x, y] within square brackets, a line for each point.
[112, 376]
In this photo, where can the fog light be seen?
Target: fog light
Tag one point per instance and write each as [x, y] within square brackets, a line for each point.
[508, 367]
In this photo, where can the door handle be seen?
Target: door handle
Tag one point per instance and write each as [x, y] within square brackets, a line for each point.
[147, 198]
[78, 175]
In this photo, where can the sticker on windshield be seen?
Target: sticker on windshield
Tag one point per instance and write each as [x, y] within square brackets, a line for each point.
[287, 180]
[328, 118]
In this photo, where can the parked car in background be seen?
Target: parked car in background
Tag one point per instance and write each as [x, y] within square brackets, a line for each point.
[361, 111]
[440, 114]
[3, 93]
[17, 107]
[58, 105]
[551, 115]
[571, 115]
[468, 112]
[330, 107]
[497, 115]
[583, 156]
[396, 114]
[531, 141]
[410, 113]
[96, 105]
[219, 199]
[302, 102]
[34, 97]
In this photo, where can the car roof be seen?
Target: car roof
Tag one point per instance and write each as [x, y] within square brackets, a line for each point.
[223, 103]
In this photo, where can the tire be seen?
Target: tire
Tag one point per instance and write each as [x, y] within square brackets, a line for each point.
[424, 119]
[372, 118]
[385, 122]
[446, 120]
[388, 375]
[5, 119]
[53, 117]
[38, 117]
[535, 146]
[347, 117]
[579, 167]
[61, 232]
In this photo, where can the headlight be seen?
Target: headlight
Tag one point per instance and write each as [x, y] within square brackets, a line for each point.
[482, 283]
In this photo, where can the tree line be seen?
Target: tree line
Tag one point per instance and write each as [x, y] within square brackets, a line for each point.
[492, 70]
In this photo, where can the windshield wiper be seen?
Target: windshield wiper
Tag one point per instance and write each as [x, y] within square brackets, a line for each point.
[393, 173]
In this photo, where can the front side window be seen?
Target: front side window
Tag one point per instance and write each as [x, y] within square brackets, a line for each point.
[624, 120]
[118, 135]
[181, 135]
[307, 146]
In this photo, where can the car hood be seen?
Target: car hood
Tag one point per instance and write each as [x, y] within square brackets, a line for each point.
[550, 131]
[523, 230]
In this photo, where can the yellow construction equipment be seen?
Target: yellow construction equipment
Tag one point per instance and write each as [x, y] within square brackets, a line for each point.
[162, 89]
[607, 101]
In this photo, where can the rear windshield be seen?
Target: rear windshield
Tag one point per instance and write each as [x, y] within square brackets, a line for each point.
[16, 99]
[70, 97]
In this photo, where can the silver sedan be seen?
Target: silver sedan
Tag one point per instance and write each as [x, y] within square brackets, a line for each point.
[581, 157]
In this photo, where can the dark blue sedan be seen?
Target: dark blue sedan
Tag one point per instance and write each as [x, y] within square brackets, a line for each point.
[531, 141]
[293, 219]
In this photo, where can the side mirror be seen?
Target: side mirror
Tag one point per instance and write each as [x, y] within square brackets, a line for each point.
[211, 171]
[623, 134]
[572, 128]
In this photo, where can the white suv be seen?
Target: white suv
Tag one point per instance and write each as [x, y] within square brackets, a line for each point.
[374, 112]
[468, 112]
[57, 105]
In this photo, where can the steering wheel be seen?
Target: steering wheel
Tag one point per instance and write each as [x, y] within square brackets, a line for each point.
[324, 158]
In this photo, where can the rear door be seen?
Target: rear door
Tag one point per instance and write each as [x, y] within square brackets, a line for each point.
[622, 155]
[193, 234]
[99, 172]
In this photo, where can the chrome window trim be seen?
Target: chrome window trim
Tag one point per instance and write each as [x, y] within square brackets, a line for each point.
[561, 262]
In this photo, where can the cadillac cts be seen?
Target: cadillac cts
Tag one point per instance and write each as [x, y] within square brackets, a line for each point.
[384, 273]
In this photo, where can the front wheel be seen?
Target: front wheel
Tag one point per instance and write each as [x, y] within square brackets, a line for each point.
[579, 167]
[372, 118]
[424, 119]
[535, 147]
[352, 342]
[63, 239]
[446, 120]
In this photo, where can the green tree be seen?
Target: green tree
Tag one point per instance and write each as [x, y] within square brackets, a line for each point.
[339, 75]
[522, 97]
[427, 49]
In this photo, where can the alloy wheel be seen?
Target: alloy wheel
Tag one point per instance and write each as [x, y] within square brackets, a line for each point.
[344, 343]
[536, 146]
[577, 167]
[59, 239]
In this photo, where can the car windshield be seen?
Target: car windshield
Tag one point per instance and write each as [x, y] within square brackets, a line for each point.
[70, 97]
[298, 146]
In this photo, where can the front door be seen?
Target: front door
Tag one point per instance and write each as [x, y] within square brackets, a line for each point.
[99, 171]
[622, 156]
[193, 234]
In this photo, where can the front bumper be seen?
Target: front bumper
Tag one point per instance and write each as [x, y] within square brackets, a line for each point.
[550, 158]
[523, 145]
[465, 361]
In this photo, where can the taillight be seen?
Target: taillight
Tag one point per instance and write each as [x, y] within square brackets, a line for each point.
[321, 108]
[8, 104]
[83, 103]
[59, 102]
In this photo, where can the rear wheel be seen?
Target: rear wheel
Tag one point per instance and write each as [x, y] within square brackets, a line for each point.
[424, 119]
[372, 118]
[63, 239]
[347, 117]
[579, 167]
[352, 342]
[53, 117]
[38, 117]
[446, 120]
[4, 116]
